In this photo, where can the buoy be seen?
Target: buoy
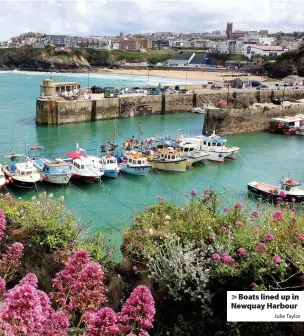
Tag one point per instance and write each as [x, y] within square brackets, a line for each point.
[7, 181]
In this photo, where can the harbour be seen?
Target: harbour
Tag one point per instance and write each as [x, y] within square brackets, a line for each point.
[109, 206]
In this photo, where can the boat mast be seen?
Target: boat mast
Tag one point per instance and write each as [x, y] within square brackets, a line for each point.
[205, 126]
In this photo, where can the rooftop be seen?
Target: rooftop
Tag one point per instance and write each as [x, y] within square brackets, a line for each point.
[182, 56]
[269, 48]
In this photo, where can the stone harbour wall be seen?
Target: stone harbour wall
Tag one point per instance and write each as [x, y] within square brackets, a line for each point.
[253, 119]
[55, 111]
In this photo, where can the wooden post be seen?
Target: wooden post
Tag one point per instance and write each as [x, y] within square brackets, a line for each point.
[163, 103]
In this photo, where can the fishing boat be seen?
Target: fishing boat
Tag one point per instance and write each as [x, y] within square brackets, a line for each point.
[198, 110]
[107, 164]
[3, 180]
[20, 171]
[135, 164]
[82, 167]
[193, 156]
[171, 160]
[287, 125]
[213, 144]
[287, 189]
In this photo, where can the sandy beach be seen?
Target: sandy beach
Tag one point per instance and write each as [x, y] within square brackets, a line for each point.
[218, 77]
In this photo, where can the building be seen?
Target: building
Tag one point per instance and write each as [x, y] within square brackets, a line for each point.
[57, 40]
[199, 60]
[236, 34]
[135, 44]
[229, 30]
[250, 50]
[181, 59]
[214, 37]
[263, 32]
[160, 44]
[230, 47]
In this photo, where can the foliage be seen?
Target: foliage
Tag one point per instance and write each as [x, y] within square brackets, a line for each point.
[101, 250]
[256, 250]
[45, 220]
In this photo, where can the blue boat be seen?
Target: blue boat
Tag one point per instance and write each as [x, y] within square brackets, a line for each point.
[135, 164]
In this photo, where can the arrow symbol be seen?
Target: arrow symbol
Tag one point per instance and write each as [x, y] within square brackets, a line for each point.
[234, 297]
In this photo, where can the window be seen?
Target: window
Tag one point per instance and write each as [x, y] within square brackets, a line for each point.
[209, 144]
[219, 144]
[82, 167]
[173, 157]
[77, 165]
[213, 143]
[288, 188]
[205, 143]
[139, 161]
[130, 160]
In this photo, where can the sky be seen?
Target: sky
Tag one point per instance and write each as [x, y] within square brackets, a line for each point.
[109, 17]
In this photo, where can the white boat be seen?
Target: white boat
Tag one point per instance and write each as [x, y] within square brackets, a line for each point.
[2, 177]
[82, 167]
[213, 144]
[189, 152]
[171, 160]
[52, 171]
[300, 131]
[20, 171]
[135, 164]
[199, 110]
[287, 189]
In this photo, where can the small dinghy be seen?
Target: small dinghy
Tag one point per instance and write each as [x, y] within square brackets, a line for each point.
[287, 189]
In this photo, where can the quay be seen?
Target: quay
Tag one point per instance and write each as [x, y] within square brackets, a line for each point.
[250, 109]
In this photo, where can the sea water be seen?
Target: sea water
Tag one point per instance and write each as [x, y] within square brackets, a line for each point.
[108, 206]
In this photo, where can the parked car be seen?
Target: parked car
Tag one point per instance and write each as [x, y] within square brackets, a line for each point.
[263, 86]
[215, 87]
[277, 100]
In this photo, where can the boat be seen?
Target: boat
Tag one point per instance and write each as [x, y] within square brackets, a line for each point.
[213, 144]
[193, 156]
[198, 110]
[287, 125]
[3, 180]
[82, 167]
[52, 171]
[287, 187]
[170, 159]
[20, 171]
[107, 164]
[135, 164]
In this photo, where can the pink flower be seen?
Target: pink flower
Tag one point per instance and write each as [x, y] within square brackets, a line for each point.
[293, 199]
[255, 213]
[279, 200]
[241, 252]
[301, 237]
[293, 209]
[29, 279]
[261, 247]
[2, 224]
[212, 235]
[206, 192]
[293, 219]
[253, 284]
[239, 223]
[10, 261]
[216, 256]
[103, 322]
[161, 198]
[140, 245]
[282, 194]
[139, 309]
[2, 287]
[134, 268]
[226, 209]
[194, 192]
[238, 206]
[226, 259]
[186, 195]
[237, 265]
[276, 259]
[269, 236]
[223, 228]
[278, 215]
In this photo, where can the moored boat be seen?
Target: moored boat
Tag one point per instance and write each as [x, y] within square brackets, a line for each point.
[135, 164]
[20, 171]
[193, 156]
[3, 180]
[171, 160]
[287, 189]
[82, 167]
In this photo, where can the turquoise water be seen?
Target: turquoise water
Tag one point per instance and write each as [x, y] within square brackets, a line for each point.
[263, 157]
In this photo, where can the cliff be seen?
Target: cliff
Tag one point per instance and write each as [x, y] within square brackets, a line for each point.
[78, 60]
[289, 63]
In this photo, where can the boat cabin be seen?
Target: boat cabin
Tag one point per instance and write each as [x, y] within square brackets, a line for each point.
[212, 141]
[82, 163]
[109, 159]
[169, 155]
[137, 160]
[56, 168]
[187, 147]
[25, 168]
[289, 185]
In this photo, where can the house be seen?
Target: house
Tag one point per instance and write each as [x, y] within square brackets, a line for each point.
[66, 49]
[230, 47]
[236, 34]
[251, 50]
[57, 40]
[181, 59]
[241, 83]
[135, 44]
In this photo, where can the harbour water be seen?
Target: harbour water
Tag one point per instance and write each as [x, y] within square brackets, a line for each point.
[263, 156]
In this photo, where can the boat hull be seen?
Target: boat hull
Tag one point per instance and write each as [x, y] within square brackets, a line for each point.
[177, 166]
[57, 179]
[113, 173]
[89, 179]
[218, 156]
[23, 184]
[274, 196]
[141, 171]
